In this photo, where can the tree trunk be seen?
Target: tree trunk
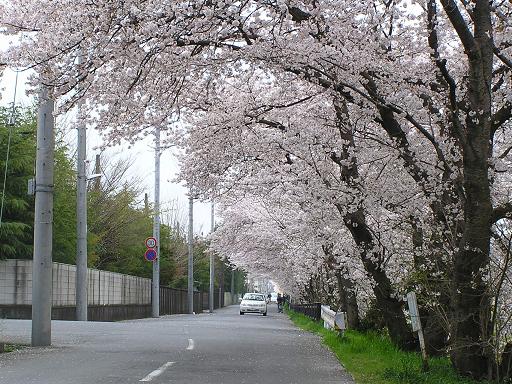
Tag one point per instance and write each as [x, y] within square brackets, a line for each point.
[432, 275]
[470, 316]
[371, 256]
[505, 369]
[387, 302]
[348, 300]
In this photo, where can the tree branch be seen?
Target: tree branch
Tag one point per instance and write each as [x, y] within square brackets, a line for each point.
[466, 37]
[502, 57]
[501, 116]
[503, 211]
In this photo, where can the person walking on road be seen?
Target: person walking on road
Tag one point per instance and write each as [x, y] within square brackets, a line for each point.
[280, 302]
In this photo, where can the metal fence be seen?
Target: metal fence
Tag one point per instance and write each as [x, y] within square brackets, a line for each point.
[312, 310]
[175, 301]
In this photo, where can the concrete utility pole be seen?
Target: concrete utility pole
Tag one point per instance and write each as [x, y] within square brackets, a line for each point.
[43, 223]
[97, 171]
[233, 286]
[221, 282]
[212, 267]
[155, 286]
[81, 217]
[146, 204]
[190, 290]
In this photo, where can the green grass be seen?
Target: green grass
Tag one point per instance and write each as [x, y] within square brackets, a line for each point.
[372, 359]
[13, 347]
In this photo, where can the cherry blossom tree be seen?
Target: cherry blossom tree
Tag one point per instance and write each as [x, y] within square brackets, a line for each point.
[311, 167]
[412, 98]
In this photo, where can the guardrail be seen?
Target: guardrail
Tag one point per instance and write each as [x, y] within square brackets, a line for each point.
[328, 316]
[311, 310]
[316, 311]
[333, 320]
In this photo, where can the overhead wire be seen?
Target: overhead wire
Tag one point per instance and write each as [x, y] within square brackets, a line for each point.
[11, 123]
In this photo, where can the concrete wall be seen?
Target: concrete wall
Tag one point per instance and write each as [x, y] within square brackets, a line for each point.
[112, 296]
[105, 288]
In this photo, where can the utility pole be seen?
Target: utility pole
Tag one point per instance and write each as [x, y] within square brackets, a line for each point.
[155, 285]
[81, 216]
[233, 285]
[97, 171]
[43, 223]
[212, 266]
[146, 204]
[190, 290]
[221, 282]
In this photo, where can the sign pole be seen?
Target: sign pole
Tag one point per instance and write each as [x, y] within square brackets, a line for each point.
[416, 327]
[155, 285]
[43, 223]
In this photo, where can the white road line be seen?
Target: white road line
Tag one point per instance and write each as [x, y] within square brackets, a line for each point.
[157, 372]
[190, 345]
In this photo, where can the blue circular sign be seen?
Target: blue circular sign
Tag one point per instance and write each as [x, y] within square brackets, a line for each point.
[150, 255]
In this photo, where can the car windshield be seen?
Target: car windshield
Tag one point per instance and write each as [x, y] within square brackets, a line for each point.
[253, 296]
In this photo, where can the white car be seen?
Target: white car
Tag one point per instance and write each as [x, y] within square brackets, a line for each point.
[253, 303]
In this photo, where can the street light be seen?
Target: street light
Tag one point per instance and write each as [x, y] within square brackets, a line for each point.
[94, 176]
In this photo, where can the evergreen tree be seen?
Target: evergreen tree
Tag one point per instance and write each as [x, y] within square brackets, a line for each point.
[16, 239]
[64, 206]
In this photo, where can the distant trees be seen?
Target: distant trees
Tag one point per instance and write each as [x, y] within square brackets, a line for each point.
[16, 233]
[17, 215]
[64, 204]
[118, 221]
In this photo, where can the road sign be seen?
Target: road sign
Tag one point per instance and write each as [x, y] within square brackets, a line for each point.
[416, 326]
[413, 311]
[150, 254]
[150, 242]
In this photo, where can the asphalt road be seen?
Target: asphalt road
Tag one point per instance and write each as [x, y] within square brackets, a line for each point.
[218, 348]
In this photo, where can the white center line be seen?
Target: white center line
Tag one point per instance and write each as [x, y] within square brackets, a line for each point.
[157, 372]
[190, 344]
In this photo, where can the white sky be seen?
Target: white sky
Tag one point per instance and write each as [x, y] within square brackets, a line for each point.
[142, 153]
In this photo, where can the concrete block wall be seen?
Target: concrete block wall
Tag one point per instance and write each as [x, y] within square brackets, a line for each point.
[16, 282]
[104, 288]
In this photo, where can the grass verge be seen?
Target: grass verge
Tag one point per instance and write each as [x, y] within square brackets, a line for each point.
[372, 359]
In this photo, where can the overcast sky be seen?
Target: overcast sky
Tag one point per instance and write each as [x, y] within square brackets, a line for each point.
[142, 154]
